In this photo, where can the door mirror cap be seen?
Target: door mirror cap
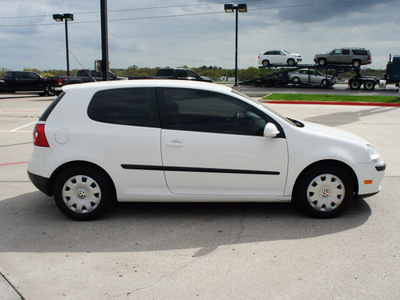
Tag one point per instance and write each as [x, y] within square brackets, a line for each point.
[271, 130]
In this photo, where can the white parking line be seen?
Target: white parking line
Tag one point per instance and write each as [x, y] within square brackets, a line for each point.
[16, 129]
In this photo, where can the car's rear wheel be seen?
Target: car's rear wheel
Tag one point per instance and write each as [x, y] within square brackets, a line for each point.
[296, 81]
[356, 63]
[324, 191]
[265, 63]
[291, 62]
[83, 193]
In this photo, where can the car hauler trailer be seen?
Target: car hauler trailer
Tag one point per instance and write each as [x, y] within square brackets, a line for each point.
[284, 75]
[391, 76]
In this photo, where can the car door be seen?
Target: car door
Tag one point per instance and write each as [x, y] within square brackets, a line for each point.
[213, 144]
[345, 57]
[334, 56]
[33, 82]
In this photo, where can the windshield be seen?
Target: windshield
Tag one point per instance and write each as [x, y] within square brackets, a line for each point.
[265, 107]
[287, 52]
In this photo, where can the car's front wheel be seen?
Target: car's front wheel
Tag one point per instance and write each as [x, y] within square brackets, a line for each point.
[83, 193]
[324, 191]
[291, 62]
[325, 83]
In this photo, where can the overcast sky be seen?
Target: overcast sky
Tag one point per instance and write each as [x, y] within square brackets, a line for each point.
[155, 33]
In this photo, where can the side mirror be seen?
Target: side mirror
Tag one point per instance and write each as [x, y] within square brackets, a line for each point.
[271, 130]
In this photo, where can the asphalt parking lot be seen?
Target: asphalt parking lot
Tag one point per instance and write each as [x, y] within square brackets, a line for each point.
[199, 251]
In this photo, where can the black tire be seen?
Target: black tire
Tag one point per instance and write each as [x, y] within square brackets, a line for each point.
[356, 63]
[324, 191]
[296, 81]
[355, 84]
[322, 61]
[49, 91]
[265, 63]
[291, 62]
[369, 85]
[325, 83]
[83, 193]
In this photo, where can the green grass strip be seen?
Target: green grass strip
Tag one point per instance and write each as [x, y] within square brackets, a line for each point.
[332, 98]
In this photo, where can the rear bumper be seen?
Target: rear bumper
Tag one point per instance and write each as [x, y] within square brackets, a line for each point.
[41, 183]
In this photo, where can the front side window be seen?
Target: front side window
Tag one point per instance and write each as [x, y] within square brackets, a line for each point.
[127, 106]
[204, 111]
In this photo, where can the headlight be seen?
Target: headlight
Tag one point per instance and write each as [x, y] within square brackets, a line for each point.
[373, 153]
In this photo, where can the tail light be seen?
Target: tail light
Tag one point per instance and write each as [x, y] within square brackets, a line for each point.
[39, 137]
[60, 81]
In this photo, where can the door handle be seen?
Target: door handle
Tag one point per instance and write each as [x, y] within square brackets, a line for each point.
[174, 144]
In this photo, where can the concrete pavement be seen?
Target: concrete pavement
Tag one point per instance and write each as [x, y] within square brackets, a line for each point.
[202, 251]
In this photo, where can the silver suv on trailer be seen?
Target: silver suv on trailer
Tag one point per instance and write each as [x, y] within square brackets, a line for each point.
[346, 56]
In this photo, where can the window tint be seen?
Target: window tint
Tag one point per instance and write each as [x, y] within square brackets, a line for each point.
[204, 111]
[130, 106]
[50, 108]
[360, 52]
[191, 74]
[165, 72]
[180, 73]
[346, 51]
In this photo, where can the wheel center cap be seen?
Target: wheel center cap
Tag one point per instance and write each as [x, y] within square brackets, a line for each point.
[81, 194]
[326, 192]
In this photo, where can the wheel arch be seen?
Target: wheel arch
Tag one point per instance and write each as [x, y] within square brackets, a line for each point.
[81, 164]
[325, 163]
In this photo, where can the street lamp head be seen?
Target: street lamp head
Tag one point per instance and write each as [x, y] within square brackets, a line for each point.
[70, 17]
[58, 17]
[242, 7]
[229, 8]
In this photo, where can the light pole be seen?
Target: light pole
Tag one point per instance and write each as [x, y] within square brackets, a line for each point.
[66, 18]
[230, 8]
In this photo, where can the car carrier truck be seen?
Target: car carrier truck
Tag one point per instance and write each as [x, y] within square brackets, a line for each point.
[391, 76]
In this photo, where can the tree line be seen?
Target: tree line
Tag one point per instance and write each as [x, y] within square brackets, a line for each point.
[214, 72]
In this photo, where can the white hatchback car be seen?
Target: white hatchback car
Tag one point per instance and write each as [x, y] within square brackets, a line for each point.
[170, 140]
[278, 57]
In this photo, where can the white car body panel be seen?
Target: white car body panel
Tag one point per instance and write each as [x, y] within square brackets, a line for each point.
[73, 136]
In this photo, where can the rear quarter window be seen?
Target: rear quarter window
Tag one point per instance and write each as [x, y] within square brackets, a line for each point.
[50, 108]
[129, 106]
[360, 52]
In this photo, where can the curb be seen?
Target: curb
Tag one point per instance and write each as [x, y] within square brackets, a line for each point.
[332, 103]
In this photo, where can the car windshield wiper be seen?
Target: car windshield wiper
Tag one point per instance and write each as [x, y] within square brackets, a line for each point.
[295, 122]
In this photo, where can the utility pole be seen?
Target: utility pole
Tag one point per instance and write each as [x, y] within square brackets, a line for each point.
[104, 39]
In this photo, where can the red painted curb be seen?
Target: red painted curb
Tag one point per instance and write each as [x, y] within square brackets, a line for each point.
[332, 103]
[14, 163]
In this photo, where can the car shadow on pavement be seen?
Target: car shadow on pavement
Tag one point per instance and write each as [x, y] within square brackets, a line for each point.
[32, 223]
[348, 117]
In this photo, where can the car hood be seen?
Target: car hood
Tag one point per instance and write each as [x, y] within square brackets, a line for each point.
[333, 133]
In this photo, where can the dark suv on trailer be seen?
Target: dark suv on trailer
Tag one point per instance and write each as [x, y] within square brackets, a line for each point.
[346, 56]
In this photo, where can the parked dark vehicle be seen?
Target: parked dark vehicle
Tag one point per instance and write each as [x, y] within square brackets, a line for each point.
[82, 76]
[26, 82]
[170, 73]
